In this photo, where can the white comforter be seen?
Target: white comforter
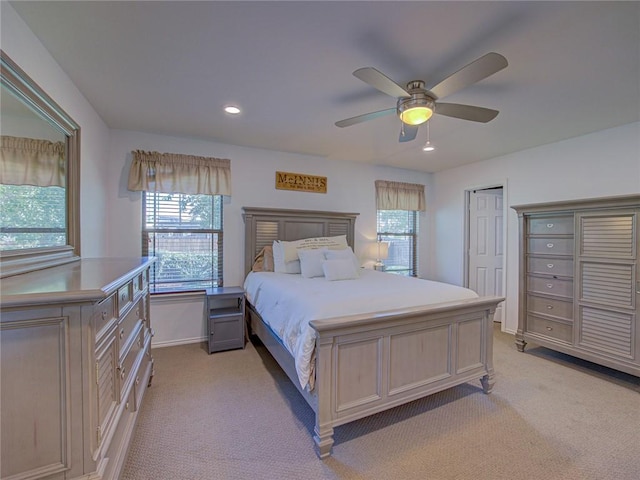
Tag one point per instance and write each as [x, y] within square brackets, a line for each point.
[288, 302]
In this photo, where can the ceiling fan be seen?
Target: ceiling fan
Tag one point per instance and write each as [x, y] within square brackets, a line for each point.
[415, 104]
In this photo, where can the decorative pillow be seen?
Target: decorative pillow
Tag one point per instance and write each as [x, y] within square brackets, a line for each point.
[311, 262]
[267, 265]
[258, 262]
[340, 270]
[279, 264]
[264, 260]
[291, 248]
[344, 254]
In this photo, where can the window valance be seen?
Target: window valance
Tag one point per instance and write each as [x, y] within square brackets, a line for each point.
[31, 161]
[400, 196]
[175, 173]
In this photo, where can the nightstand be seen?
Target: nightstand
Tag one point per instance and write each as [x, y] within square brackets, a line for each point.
[225, 322]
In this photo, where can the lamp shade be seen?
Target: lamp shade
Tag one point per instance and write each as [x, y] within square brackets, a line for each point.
[383, 250]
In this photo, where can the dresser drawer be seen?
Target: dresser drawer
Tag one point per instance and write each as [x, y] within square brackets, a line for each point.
[550, 328]
[551, 266]
[129, 323]
[137, 286]
[550, 286]
[128, 367]
[125, 297]
[554, 225]
[551, 246]
[140, 383]
[105, 312]
[550, 306]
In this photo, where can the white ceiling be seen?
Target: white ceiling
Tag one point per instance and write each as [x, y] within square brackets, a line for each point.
[170, 67]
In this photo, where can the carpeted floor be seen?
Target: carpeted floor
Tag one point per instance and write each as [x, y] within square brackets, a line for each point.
[235, 415]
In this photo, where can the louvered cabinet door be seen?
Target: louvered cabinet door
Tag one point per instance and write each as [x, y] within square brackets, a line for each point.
[607, 272]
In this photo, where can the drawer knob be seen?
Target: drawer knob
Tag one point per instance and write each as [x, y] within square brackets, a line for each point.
[550, 328]
[549, 285]
[137, 380]
[122, 371]
[104, 314]
[550, 265]
[549, 307]
[121, 333]
[549, 245]
[549, 225]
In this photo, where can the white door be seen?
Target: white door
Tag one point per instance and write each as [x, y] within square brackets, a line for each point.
[486, 243]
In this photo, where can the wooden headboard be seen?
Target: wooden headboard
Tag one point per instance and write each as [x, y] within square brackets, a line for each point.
[264, 225]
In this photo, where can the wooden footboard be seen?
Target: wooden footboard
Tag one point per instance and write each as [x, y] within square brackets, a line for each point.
[369, 363]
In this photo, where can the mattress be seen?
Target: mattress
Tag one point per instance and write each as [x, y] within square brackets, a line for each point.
[288, 302]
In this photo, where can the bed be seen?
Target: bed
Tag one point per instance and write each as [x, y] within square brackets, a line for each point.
[365, 363]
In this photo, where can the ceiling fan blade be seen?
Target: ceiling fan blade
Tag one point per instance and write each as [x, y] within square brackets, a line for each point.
[468, 75]
[364, 117]
[466, 112]
[380, 81]
[410, 132]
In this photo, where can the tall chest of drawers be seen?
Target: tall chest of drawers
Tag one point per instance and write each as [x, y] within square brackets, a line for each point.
[579, 274]
[549, 276]
[76, 361]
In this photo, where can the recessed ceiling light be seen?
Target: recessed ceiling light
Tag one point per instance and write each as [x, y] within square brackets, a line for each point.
[428, 147]
[232, 109]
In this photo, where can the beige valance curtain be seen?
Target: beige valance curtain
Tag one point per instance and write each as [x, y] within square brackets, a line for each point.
[31, 161]
[400, 196]
[175, 173]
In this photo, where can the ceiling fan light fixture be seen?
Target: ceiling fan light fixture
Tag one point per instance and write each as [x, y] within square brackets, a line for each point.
[416, 109]
[416, 115]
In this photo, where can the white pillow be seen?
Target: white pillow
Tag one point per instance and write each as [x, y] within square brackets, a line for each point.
[311, 262]
[339, 270]
[291, 248]
[279, 265]
[344, 254]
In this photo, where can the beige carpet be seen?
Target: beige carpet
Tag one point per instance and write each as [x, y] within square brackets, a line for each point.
[235, 415]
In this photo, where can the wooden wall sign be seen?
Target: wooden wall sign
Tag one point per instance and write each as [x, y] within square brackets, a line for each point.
[301, 182]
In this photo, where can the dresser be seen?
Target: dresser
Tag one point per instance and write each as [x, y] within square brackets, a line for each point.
[76, 362]
[579, 279]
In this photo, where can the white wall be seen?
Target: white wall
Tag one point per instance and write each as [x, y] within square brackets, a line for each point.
[350, 188]
[604, 163]
[24, 48]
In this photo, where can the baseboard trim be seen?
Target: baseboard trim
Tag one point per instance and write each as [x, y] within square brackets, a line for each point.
[174, 343]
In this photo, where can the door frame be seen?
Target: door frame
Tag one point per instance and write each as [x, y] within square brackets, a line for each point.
[467, 242]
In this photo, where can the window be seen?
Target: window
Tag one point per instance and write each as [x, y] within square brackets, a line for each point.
[185, 233]
[32, 217]
[400, 229]
[398, 204]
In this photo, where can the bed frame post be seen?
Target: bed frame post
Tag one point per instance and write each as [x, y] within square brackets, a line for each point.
[489, 380]
[323, 430]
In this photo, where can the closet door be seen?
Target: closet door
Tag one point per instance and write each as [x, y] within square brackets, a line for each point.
[607, 272]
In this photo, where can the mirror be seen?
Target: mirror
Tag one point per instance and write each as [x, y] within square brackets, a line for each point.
[39, 177]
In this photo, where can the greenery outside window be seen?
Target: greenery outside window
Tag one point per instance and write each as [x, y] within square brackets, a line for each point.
[32, 216]
[185, 233]
[400, 229]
